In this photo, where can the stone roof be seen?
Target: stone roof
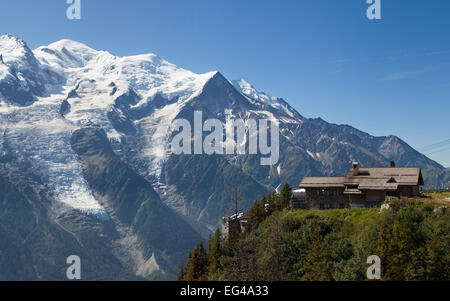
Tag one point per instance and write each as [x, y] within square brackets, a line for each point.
[377, 184]
[401, 176]
[368, 179]
[332, 182]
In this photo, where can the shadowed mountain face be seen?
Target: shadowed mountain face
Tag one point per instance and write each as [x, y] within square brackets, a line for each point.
[162, 235]
[205, 184]
[95, 131]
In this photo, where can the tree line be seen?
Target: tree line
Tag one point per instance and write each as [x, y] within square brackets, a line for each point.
[412, 239]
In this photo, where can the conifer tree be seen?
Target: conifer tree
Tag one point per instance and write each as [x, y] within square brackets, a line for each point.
[392, 252]
[202, 262]
[383, 247]
[315, 264]
[271, 261]
[214, 252]
[181, 273]
[255, 216]
[285, 196]
[197, 265]
[264, 204]
[273, 203]
[438, 259]
[189, 272]
[399, 254]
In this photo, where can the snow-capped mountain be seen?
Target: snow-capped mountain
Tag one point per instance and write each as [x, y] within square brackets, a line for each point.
[57, 101]
[89, 84]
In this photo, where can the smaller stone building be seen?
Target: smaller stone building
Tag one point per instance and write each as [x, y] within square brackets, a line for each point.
[236, 222]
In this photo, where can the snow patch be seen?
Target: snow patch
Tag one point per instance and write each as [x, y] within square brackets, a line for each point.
[248, 90]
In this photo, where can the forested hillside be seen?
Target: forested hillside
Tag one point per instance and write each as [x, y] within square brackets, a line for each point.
[412, 238]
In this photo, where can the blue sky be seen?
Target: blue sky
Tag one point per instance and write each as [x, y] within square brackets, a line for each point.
[389, 76]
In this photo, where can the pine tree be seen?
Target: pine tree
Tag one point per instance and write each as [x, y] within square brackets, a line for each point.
[391, 249]
[273, 203]
[271, 261]
[285, 196]
[189, 272]
[248, 252]
[383, 247]
[399, 254]
[202, 263]
[316, 268]
[255, 216]
[197, 265]
[181, 273]
[264, 203]
[214, 253]
[438, 258]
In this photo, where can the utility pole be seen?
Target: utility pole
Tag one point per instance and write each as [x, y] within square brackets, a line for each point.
[234, 222]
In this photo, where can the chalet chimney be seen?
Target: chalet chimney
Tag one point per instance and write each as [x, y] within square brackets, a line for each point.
[355, 168]
[392, 164]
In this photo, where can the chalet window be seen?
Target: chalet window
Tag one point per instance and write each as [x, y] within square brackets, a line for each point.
[391, 193]
[392, 180]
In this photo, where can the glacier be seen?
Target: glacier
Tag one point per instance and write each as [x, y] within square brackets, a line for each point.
[71, 86]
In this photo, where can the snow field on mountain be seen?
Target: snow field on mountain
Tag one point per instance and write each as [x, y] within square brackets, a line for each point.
[38, 134]
[91, 81]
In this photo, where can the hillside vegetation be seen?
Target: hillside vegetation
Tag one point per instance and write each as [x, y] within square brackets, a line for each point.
[412, 238]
